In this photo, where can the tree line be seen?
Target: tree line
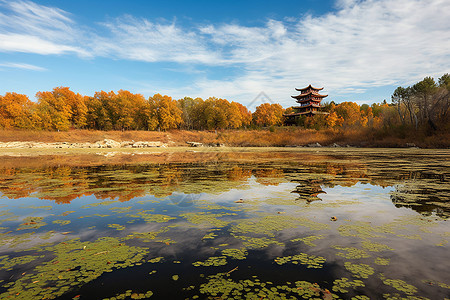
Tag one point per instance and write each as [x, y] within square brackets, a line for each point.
[422, 105]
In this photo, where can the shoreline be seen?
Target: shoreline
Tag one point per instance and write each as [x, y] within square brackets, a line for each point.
[281, 137]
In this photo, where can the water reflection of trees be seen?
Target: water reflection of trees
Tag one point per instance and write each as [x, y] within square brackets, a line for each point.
[416, 186]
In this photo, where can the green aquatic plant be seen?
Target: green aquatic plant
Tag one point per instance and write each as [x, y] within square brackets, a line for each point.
[121, 210]
[351, 252]
[116, 226]
[374, 247]
[102, 203]
[214, 261]
[440, 284]
[256, 242]
[309, 240]
[360, 297]
[209, 236]
[148, 217]
[399, 285]
[61, 222]
[343, 285]
[397, 296]
[32, 223]
[46, 207]
[131, 295]
[156, 259]
[359, 270]
[235, 253]
[269, 225]
[8, 263]
[207, 218]
[175, 277]
[220, 286]
[311, 261]
[73, 264]
[382, 261]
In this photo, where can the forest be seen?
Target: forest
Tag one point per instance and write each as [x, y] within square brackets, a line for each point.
[422, 107]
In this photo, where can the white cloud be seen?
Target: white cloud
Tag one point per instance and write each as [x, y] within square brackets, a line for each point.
[22, 66]
[362, 45]
[32, 28]
[142, 40]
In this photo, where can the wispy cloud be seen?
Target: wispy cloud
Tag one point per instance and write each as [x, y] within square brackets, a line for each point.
[142, 40]
[364, 44]
[33, 28]
[22, 66]
[361, 45]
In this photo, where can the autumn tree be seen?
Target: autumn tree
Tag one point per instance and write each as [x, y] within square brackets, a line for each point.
[189, 108]
[15, 111]
[167, 112]
[268, 114]
[99, 110]
[54, 112]
[76, 103]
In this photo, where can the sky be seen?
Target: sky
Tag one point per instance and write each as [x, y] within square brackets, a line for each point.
[245, 51]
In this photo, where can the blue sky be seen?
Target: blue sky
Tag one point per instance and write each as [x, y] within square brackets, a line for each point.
[357, 50]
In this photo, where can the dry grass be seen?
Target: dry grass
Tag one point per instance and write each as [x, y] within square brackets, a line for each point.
[278, 137]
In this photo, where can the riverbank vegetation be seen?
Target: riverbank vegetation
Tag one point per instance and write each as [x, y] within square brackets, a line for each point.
[418, 114]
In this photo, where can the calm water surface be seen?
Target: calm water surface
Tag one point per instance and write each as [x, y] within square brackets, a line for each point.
[297, 224]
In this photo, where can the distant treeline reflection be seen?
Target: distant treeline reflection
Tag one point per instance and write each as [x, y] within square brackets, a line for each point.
[424, 192]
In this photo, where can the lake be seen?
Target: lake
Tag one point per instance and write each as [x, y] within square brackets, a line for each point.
[221, 224]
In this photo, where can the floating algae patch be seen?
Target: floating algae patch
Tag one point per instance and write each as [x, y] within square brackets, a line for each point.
[410, 236]
[120, 210]
[103, 203]
[363, 230]
[220, 286]
[32, 223]
[175, 277]
[209, 236]
[235, 253]
[382, 261]
[61, 222]
[374, 247]
[207, 218]
[351, 252]
[74, 263]
[116, 226]
[148, 217]
[310, 261]
[46, 207]
[399, 285]
[343, 285]
[131, 295]
[359, 270]
[269, 225]
[439, 284]
[8, 263]
[146, 236]
[156, 260]
[309, 240]
[13, 241]
[214, 261]
[257, 242]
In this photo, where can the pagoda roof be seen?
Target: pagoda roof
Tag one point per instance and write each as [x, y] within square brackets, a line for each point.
[305, 113]
[309, 87]
[309, 105]
[307, 94]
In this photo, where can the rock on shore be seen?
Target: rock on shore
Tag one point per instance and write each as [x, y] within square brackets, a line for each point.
[106, 143]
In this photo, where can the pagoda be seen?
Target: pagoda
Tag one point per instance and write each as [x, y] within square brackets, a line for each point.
[309, 100]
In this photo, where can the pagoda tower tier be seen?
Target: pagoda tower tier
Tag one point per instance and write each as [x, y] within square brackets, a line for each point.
[309, 100]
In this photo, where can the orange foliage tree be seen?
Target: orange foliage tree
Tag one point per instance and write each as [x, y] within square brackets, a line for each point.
[167, 112]
[268, 114]
[15, 111]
